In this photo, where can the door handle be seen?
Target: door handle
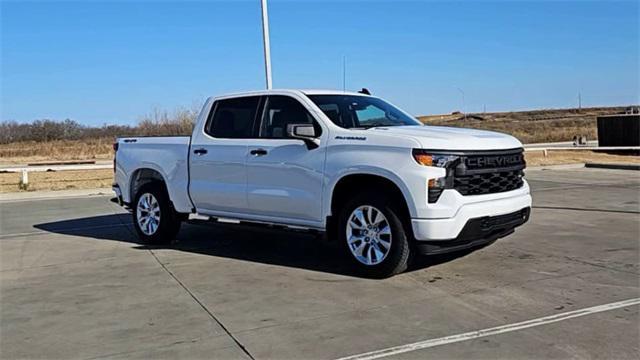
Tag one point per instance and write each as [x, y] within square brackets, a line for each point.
[200, 151]
[258, 152]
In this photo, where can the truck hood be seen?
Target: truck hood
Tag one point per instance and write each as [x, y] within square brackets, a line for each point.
[450, 138]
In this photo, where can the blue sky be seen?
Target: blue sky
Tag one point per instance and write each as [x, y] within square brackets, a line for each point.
[110, 62]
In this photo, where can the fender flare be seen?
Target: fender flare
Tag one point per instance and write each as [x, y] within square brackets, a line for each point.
[134, 174]
[367, 170]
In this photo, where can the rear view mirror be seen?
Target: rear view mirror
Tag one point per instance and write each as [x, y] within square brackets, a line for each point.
[304, 132]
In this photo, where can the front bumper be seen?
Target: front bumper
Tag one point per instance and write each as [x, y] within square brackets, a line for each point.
[449, 227]
[477, 231]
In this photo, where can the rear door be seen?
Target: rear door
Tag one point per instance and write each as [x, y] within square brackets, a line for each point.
[218, 156]
[284, 177]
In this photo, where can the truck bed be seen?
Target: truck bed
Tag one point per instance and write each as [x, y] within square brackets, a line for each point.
[167, 155]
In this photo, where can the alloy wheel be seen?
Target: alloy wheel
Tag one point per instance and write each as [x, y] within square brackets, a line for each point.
[368, 235]
[148, 214]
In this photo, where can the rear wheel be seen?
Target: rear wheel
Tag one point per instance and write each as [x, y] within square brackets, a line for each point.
[155, 220]
[373, 235]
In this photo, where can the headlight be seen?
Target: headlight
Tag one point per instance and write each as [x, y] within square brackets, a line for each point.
[437, 185]
[437, 160]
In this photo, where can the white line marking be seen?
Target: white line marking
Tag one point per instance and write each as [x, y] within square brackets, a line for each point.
[490, 331]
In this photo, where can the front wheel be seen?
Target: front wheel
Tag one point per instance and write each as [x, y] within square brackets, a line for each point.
[373, 235]
[155, 220]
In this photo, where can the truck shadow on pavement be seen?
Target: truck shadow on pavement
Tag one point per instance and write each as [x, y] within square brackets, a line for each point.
[242, 242]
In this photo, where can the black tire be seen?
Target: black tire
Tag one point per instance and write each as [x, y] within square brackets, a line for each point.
[169, 222]
[398, 256]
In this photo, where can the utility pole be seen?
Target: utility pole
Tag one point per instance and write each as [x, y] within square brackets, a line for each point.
[463, 111]
[265, 41]
[579, 101]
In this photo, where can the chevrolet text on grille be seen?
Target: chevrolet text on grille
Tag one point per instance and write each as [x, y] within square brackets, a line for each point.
[494, 161]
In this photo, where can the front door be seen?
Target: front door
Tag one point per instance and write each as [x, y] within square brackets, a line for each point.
[218, 173]
[284, 177]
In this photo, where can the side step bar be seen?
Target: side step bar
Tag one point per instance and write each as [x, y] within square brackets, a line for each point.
[199, 219]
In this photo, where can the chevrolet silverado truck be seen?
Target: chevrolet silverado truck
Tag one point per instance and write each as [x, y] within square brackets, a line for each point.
[348, 165]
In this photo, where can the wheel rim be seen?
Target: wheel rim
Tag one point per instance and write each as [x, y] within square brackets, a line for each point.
[148, 214]
[368, 235]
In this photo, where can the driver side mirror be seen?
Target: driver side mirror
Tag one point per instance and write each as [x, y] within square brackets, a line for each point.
[304, 132]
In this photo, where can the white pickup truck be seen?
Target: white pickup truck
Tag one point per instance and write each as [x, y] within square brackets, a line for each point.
[346, 164]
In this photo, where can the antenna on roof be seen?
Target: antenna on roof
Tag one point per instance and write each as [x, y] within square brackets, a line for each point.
[344, 73]
[365, 91]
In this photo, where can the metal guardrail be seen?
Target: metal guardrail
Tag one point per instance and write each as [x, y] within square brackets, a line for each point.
[545, 150]
[25, 170]
[39, 168]
[559, 144]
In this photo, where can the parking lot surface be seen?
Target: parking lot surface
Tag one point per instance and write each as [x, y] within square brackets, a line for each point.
[75, 284]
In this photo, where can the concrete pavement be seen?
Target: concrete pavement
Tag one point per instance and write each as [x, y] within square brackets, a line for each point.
[75, 284]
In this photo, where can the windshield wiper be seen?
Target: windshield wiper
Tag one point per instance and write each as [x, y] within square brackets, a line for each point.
[378, 125]
[374, 125]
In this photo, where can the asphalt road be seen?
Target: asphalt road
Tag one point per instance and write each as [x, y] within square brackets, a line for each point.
[74, 284]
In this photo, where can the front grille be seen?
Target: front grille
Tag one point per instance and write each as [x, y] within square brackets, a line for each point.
[488, 183]
[489, 172]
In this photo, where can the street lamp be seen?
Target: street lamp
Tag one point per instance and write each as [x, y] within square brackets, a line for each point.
[265, 41]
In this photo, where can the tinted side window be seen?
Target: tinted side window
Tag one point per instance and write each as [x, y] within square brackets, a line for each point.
[233, 118]
[281, 111]
[336, 111]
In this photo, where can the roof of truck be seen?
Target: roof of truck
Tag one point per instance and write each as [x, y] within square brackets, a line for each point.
[291, 91]
[330, 92]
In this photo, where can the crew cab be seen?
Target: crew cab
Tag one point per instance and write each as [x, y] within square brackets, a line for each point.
[349, 165]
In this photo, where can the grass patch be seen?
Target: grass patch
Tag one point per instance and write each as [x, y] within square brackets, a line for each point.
[57, 150]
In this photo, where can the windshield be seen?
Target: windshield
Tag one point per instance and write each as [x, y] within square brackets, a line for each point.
[352, 111]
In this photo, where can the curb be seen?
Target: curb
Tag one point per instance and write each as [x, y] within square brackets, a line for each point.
[613, 166]
[556, 167]
[53, 194]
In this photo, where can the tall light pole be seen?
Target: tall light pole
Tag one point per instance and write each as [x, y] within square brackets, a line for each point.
[265, 40]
